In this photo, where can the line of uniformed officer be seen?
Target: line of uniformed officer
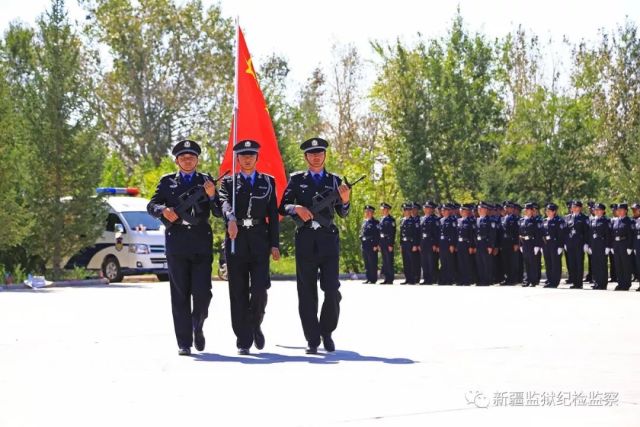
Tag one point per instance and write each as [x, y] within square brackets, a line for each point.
[370, 244]
[496, 245]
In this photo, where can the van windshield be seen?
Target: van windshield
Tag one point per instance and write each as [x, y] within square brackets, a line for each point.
[138, 220]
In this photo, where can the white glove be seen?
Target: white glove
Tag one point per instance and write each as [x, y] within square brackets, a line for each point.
[585, 248]
[589, 250]
[559, 251]
[565, 247]
[536, 250]
[611, 251]
[520, 248]
[607, 251]
[629, 251]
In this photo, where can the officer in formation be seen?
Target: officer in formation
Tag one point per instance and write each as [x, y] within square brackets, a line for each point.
[409, 244]
[598, 241]
[636, 239]
[189, 244]
[554, 238]
[486, 242]
[387, 243]
[429, 237]
[576, 243]
[447, 244]
[254, 231]
[510, 255]
[317, 246]
[622, 246]
[370, 243]
[465, 245]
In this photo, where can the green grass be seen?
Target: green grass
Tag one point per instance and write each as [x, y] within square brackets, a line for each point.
[285, 265]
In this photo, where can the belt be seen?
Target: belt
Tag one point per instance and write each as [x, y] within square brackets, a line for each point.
[462, 239]
[250, 222]
[314, 225]
[525, 237]
[381, 235]
[425, 235]
[619, 238]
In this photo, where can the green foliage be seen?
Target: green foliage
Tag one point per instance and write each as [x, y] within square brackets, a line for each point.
[64, 157]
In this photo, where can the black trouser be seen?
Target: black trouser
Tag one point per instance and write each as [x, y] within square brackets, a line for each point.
[189, 277]
[624, 267]
[636, 259]
[599, 274]
[387, 270]
[370, 257]
[322, 263]
[429, 262]
[447, 265]
[552, 263]
[407, 263]
[510, 263]
[532, 264]
[248, 284]
[485, 263]
[575, 263]
[465, 264]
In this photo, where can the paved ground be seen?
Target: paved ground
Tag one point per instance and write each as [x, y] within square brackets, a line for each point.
[407, 356]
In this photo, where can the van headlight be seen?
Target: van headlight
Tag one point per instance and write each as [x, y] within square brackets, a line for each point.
[139, 248]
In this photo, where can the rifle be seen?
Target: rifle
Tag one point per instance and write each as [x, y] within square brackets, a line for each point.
[189, 206]
[323, 201]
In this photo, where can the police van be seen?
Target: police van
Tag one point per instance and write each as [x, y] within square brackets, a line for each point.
[132, 241]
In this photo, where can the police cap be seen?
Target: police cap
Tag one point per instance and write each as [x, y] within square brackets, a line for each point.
[635, 206]
[314, 145]
[577, 203]
[430, 204]
[247, 146]
[369, 208]
[599, 206]
[385, 205]
[186, 146]
[552, 207]
[623, 205]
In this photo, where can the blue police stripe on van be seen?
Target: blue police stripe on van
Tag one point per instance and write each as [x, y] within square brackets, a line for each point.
[82, 258]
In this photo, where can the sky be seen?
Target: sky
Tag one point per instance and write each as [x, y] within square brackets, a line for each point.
[304, 32]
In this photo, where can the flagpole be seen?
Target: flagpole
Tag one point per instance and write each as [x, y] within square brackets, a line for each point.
[235, 127]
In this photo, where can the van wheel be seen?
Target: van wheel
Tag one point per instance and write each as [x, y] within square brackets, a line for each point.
[163, 277]
[111, 269]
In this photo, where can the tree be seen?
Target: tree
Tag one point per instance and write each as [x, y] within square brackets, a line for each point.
[65, 154]
[443, 117]
[170, 75]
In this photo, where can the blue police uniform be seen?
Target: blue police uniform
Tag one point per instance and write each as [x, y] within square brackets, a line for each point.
[429, 240]
[636, 243]
[256, 216]
[554, 237]
[486, 241]
[409, 241]
[448, 239]
[188, 249]
[577, 235]
[317, 250]
[530, 233]
[387, 240]
[370, 241]
[622, 245]
[599, 240]
[415, 255]
[465, 247]
[510, 257]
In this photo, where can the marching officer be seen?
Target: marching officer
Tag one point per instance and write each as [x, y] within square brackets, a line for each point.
[509, 245]
[599, 239]
[553, 231]
[317, 247]
[577, 234]
[588, 278]
[189, 244]
[409, 243]
[486, 242]
[466, 245]
[429, 236]
[255, 229]
[370, 242]
[387, 242]
[447, 245]
[530, 231]
[622, 247]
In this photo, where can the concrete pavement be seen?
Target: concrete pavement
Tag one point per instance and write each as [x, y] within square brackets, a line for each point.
[407, 355]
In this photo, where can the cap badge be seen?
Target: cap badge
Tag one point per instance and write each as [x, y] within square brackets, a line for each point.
[187, 144]
[314, 143]
[247, 144]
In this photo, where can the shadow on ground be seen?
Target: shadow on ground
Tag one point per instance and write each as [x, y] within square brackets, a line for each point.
[263, 358]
